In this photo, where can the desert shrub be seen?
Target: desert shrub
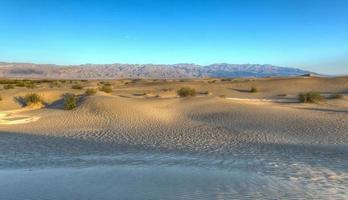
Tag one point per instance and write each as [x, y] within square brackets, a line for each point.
[106, 89]
[6, 81]
[310, 97]
[32, 99]
[101, 83]
[336, 96]
[0, 98]
[70, 101]
[90, 91]
[77, 87]
[9, 86]
[186, 91]
[53, 84]
[253, 89]
[30, 85]
[20, 84]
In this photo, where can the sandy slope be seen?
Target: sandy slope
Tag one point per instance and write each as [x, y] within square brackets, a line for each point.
[209, 123]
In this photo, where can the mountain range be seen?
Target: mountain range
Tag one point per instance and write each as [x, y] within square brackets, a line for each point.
[119, 71]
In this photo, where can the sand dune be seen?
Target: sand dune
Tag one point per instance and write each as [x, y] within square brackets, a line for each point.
[209, 124]
[13, 117]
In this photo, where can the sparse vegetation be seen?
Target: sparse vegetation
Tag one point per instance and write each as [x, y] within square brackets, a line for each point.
[104, 83]
[90, 91]
[77, 87]
[186, 91]
[9, 86]
[32, 99]
[106, 89]
[20, 84]
[30, 85]
[310, 97]
[70, 101]
[253, 89]
[24, 83]
[336, 96]
[55, 84]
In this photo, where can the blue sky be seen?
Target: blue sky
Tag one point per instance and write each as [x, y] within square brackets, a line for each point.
[309, 34]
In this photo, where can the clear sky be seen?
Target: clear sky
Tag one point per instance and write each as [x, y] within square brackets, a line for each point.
[309, 34]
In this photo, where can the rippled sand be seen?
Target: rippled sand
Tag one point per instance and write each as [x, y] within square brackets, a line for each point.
[273, 146]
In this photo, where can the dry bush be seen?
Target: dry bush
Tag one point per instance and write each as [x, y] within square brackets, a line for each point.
[77, 87]
[106, 89]
[253, 89]
[70, 101]
[90, 91]
[32, 99]
[310, 97]
[186, 91]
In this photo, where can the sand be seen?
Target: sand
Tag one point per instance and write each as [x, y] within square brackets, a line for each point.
[239, 121]
[267, 143]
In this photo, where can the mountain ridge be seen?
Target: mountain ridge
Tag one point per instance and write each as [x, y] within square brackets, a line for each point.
[118, 70]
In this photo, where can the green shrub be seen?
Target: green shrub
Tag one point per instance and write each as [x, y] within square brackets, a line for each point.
[106, 89]
[9, 86]
[77, 87]
[90, 91]
[336, 96]
[70, 101]
[253, 89]
[32, 99]
[310, 97]
[186, 91]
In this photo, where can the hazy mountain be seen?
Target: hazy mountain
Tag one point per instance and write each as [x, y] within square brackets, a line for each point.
[114, 71]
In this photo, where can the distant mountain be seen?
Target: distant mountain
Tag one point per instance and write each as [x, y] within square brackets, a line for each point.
[116, 71]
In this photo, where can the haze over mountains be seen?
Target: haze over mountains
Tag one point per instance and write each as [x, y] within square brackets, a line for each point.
[118, 71]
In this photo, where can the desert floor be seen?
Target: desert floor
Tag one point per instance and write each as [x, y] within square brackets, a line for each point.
[146, 116]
